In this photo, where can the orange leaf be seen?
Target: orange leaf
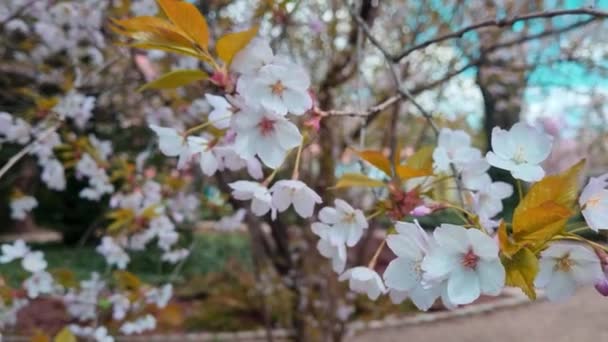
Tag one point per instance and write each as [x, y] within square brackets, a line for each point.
[187, 17]
[417, 165]
[544, 211]
[507, 245]
[377, 159]
[230, 44]
[171, 315]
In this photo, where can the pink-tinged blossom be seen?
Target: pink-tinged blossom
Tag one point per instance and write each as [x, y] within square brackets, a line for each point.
[520, 150]
[468, 260]
[281, 88]
[265, 134]
[594, 202]
[564, 266]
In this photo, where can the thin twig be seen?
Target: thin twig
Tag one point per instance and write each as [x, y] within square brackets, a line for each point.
[25, 150]
[500, 23]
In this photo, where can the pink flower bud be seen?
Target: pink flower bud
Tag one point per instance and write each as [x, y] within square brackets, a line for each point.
[602, 287]
[421, 210]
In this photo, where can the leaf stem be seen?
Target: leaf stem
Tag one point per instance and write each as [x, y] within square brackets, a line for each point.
[520, 191]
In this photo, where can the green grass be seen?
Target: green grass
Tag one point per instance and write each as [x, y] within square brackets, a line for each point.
[210, 254]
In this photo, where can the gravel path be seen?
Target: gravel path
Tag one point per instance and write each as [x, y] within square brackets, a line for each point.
[583, 318]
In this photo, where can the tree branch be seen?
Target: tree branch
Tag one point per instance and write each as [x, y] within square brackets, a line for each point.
[499, 23]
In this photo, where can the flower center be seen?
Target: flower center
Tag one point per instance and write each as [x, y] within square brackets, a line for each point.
[564, 263]
[470, 259]
[266, 126]
[519, 156]
[593, 201]
[277, 88]
[349, 218]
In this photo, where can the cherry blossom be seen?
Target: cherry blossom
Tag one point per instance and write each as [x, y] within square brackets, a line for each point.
[175, 256]
[265, 134]
[39, 283]
[468, 260]
[594, 202]
[21, 205]
[564, 266]
[330, 246]
[172, 144]
[487, 200]
[261, 200]
[139, 325]
[253, 57]
[520, 150]
[404, 275]
[53, 175]
[281, 88]
[453, 147]
[113, 253]
[347, 223]
[288, 192]
[364, 280]
[222, 111]
[13, 252]
[34, 262]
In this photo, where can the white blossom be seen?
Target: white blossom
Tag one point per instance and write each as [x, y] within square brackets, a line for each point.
[281, 88]
[288, 192]
[39, 283]
[113, 253]
[139, 325]
[265, 134]
[13, 252]
[468, 260]
[364, 280]
[330, 246]
[520, 151]
[564, 266]
[453, 147]
[261, 200]
[594, 202]
[404, 274]
[347, 223]
[34, 262]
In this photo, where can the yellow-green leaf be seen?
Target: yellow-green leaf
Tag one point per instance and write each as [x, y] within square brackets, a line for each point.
[65, 277]
[230, 44]
[188, 18]
[127, 280]
[175, 79]
[152, 30]
[357, 180]
[65, 335]
[377, 159]
[40, 336]
[521, 269]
